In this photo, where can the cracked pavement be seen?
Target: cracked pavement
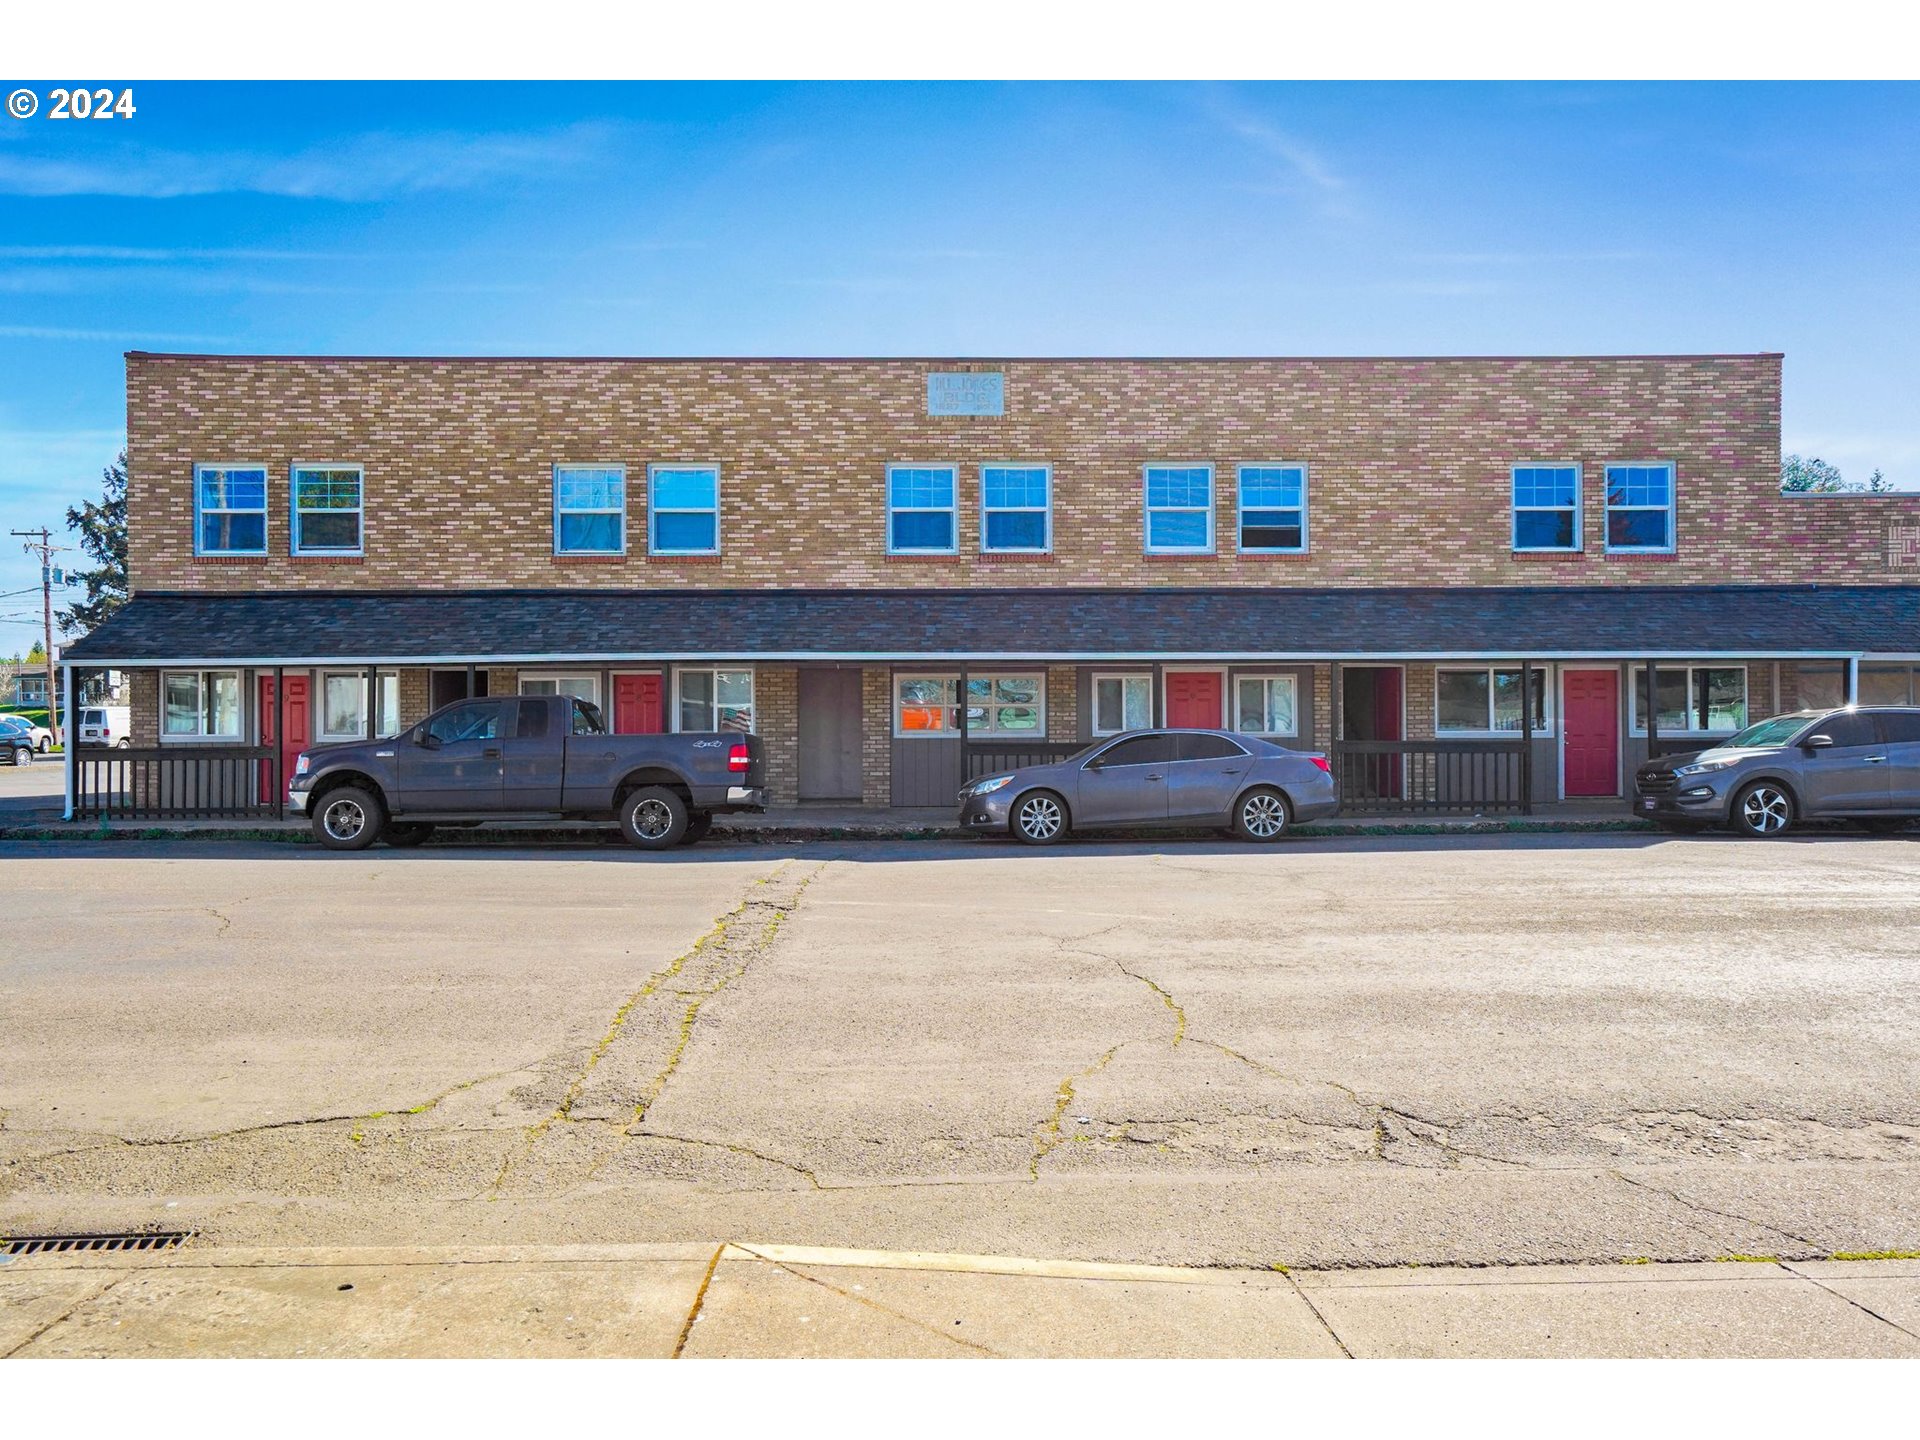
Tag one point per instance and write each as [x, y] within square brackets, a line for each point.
[1359, 1052]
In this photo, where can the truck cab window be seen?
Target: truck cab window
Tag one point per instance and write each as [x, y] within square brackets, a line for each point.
[586, 719]
[466, 722]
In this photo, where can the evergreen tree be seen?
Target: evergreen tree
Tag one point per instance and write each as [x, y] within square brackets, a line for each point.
[103, 535]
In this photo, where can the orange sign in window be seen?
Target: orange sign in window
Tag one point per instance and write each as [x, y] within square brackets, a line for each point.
[922, 717]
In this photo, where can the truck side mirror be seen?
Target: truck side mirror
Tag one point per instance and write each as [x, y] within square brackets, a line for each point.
[426, 740]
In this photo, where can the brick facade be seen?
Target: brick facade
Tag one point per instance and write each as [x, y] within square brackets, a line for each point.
[776, 719]
[876, 735]
[1408, 467]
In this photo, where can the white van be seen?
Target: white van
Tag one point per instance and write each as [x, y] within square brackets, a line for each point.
[105, 725]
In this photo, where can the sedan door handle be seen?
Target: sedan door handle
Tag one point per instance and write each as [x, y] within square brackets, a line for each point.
[1153, 777]
[1876, 759]
[492, 753]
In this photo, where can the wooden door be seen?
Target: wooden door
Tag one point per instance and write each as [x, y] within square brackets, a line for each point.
[299, 726]
[637, 708]
[1193, 699]
[1590, 725]
[829, 735]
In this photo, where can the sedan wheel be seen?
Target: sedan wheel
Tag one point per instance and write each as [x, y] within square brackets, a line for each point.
[1763, 810]
[1261, 816]
[1040, 819]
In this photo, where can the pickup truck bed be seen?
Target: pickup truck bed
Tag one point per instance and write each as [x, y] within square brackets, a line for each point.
[526, 757]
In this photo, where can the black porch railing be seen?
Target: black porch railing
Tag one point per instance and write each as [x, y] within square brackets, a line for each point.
[1677, 745]
[1477, 777]
[986, 757]
[179, 782]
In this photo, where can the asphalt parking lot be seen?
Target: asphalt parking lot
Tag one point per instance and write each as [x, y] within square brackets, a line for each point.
[1337, 1052]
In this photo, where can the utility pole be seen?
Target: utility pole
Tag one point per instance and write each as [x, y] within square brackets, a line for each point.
[40, 542]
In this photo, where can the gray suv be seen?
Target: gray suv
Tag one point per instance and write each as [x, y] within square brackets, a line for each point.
[1156, 777]
[1860, 764]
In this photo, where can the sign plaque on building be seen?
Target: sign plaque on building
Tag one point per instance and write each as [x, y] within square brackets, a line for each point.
[966, 392]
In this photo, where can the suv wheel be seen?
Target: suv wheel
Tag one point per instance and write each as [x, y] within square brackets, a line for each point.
[349, 818]
[45, 745]
[1762, 810]
[1261, 816]
[23, 755]
[1040, 819]
[653, 818]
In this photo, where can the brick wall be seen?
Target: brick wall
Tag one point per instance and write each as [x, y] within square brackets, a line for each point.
[143, 707]
[876, 735]
[416, 694]
[1409, 466]
[776, 704]
[1063, 703]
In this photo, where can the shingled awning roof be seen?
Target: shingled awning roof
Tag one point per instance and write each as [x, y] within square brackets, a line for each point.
[534, 626]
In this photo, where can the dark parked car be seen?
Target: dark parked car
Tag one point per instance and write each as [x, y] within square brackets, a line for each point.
[531, 757]
[1860, 764]
[1156, 777]
[17, 742]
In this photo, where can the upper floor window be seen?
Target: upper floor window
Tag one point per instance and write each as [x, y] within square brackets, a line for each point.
[1546, 507]
[1640, 508]
[714, 700]
[589, 510]
[230, 510]
[1273, 508]
[1179, 509]
[683, 510]
[1016, 511]
[1485, 700]
[921, 513]
[326, 509]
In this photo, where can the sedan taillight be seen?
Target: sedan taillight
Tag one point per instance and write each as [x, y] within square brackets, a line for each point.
[737, 758]
[1321, 763]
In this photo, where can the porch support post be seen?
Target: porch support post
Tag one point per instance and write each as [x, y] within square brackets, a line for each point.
[373, 701]
[1853, 680]
[1159, 715]
[1334, 706]
[1653, 709]
[72, 734]
[470, 682]
[280, 739]
[965, 774]
[1526, 737]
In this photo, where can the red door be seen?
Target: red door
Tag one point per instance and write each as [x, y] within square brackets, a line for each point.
[636, 705]
[1590, 714]
[299, 711]
[1193, 700]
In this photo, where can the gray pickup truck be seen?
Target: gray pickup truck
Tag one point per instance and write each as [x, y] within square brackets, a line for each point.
[527, 757]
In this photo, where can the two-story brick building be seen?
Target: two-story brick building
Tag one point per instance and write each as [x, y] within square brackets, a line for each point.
[902, 571]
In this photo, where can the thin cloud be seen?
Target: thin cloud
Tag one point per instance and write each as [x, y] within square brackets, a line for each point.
[1540, 257]
[148, 337]
[1301, 169]
[373, 166]
[130, 253]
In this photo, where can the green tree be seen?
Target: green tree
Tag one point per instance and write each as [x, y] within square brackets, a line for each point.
[102, 527]
[38, 654]
[1811, 475]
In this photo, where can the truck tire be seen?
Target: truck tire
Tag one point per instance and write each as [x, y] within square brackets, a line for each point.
[653, 818]
[349, 818]
[404, 836]
[699, 825]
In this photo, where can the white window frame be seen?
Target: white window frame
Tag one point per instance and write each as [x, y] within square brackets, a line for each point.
[1672, 507]
[1124, 678]
[1514, 509]
[591, 677]
[951, 511]
[296, 545]
[620, 510]
[201, 691]
[1240, 508]
[655, 511]
[943, 677]
[753, 694]
[369, 714]
[1147, 509]
[1545, 726]
[1266, 677]
[1637, 722]
[1045, 547]
[266, 485]
[993, 677]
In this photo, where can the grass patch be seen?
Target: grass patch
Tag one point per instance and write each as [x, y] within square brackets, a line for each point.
[1875, 1255]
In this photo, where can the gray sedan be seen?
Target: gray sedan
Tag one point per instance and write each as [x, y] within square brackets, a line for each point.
[1156, 777]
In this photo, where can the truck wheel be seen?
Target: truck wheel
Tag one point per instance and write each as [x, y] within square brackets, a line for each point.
[405, 836]
[699, 824]
[653, 818]
[349, 818]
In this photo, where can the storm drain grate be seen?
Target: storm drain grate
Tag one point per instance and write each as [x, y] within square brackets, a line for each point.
[97, 1244]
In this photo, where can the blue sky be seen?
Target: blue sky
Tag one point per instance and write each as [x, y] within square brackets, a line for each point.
[995, 219]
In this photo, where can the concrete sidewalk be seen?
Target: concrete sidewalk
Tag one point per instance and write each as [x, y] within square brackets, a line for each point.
[754, 1300]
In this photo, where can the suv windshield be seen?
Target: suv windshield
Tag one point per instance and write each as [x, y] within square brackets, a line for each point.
[1777, 731]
